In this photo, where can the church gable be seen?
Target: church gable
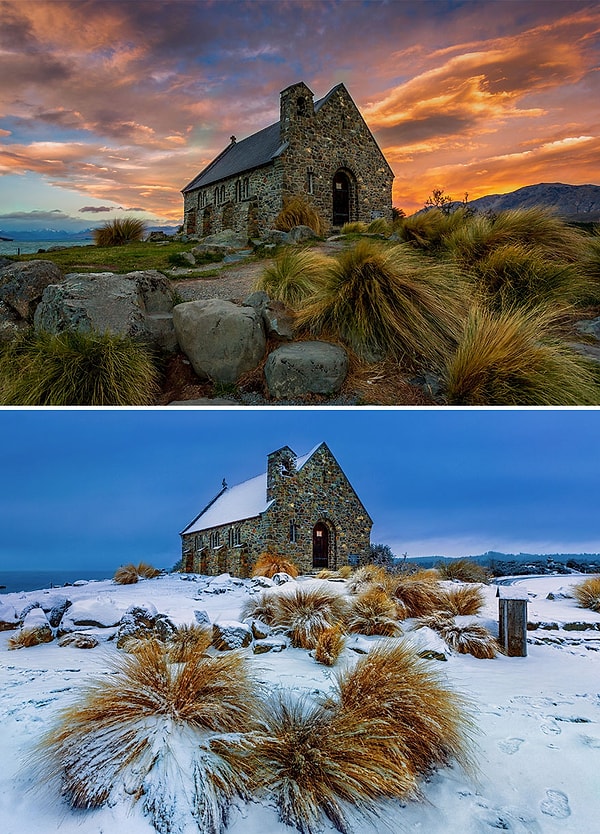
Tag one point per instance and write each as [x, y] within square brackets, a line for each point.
[322, 151]
[302, 507]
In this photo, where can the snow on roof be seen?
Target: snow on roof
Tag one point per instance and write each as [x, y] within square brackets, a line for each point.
[236, 503]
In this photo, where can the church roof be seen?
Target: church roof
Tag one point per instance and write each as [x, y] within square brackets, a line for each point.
[239, 502]
[253, 152]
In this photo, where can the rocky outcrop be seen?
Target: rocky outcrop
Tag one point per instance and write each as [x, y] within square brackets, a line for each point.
[138, 305]
[275, 316]
[22, 285]
[221, 340]
[78, 640]
[36, 627]
[9, 618]
[231, 635]
[303, 368]
[142, 622]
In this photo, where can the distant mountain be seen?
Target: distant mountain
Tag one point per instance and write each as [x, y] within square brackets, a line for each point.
[573, 202]
[62, 235]
[502, 564]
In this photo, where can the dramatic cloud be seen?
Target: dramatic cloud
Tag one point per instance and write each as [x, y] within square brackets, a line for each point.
[126, 102]
[97, 209]
[55, 214]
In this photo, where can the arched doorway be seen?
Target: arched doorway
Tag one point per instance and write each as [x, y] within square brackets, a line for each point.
[320, 545]
[341, 198]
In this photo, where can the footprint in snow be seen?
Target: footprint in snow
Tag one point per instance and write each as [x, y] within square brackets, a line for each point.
[591, 741]
[550, 729]
[510, 745]
[556, 805]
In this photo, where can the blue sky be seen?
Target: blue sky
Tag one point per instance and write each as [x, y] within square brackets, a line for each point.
[94, 489]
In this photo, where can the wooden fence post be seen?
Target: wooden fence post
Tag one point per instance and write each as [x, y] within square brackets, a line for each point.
[512, 610]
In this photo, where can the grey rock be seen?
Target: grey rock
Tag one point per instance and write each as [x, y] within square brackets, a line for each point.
[303, 368]
[138, 304]
[189, 257]
[22, 285]
[211, 249]
[276, 237]
[270, 644]
[301, 233]
[78, 640]
[221, 340]
[202, 618]
[5, 262]
[276, 318]
[37, 626]
[227, 238]
[281, 578]
[164, 628]
[590, 327]
[260, 630]
[57, 611]
[11, 324]
[231, 635]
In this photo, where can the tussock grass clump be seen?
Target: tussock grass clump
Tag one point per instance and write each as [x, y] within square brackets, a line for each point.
[428, 229]
[427, 724]
[374, 612]
[516, 276]
[471, 638]
[464, 570]
[330, 645]
[463, 600]
[514, 358]
[587, 593]
[72, 368]
[345, 572]
[157, 733]
[419, 597]
[126, 575]
[379, 226]
[119, 231]
[297, 211]
[147, 571]
[326, 574]
[426, 575]
[293, 275]
[307, 612]
[387, 301]
[318, 761]
[264, 607]
[187, 642]
[367, 576]
[356, 227]
[268, 564]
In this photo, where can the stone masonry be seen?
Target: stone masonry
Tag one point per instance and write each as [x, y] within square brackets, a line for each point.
[312, 516]
[322, 151]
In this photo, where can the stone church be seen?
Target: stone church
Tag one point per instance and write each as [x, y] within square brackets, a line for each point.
[303, 508]
[320, 150]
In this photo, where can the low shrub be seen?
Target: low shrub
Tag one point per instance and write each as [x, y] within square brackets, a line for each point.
[330, 645]
[463, 570]
[159, 732]
[268, 564]
[292, 276]
[356, 227]
[419, 597]
[25, 638]
[587, 593]
[387, 301]
[470, 638]
[187, 642]
[264, 607]
[380, 226]
[463, 600]
[345, 572]
[373, 612]
[306, 613]
[515, 358]
[147, 571]
[120, 231]
[297, 211]
[126, 575]
[72, 368]
[367, 576]
[427, 230]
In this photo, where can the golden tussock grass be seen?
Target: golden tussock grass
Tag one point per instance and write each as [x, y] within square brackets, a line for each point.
[292, 276]
[366, 576]
[306, 613]
[268, 564]
[418, 596]
[587, 593]
[471, 638]
[465, 570]
[297, 211]
[463, 600]
[126, 575]
[330, 645]
[263, 607]
[148, 727]
[147, 571]
[345, 571]
[429, 723]
[320, 762]
[425, 575]
[188, 642]
[373, 612]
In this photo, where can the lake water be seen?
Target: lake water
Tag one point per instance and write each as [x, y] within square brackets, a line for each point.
[30, 580]
[30, 247]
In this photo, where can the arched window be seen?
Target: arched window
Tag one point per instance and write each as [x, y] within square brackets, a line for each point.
[222, 194]
[293, 532]
[301, 106]
[216, 196]
[235, 537]
[246, 188]
[215, 539]
[310, 181]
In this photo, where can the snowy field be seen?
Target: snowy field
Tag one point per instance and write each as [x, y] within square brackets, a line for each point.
[538, 717]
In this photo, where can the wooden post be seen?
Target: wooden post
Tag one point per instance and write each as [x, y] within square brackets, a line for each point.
[512, 610]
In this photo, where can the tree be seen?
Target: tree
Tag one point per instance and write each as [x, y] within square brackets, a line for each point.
[437, 199]
[382, 555]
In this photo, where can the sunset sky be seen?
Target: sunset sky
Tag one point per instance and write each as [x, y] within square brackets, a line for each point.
[110, 107]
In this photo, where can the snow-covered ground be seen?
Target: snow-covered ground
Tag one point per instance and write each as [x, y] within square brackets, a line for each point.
[539, 718]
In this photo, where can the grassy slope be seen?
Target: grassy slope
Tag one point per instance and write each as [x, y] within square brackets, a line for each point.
[120, 259]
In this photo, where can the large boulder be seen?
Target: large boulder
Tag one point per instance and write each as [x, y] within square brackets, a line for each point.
[277, 320]
[138, 304]
[303, 368]
[36, 628]
[230, 635]
[221, 340]
[9, 618]
[90, 612]
[228, 238]
[301, 233]
[22, 285]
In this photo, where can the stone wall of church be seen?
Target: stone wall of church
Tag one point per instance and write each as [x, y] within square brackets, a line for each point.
[318, 492]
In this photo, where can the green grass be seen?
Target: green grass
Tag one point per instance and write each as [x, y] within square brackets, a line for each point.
[515, 358]
[120, 231]
[293, 275]
[74, 368]
[119, 259]
[297, 211]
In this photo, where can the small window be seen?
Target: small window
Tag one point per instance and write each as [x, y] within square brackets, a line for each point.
[293, 532]
[235, 537]
[310, 181]
[246, 188]
[222, 194]
[301, 106]
[215, 539]
[216, 196]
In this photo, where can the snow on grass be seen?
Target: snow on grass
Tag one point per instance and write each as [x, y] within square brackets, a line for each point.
[538, 716]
